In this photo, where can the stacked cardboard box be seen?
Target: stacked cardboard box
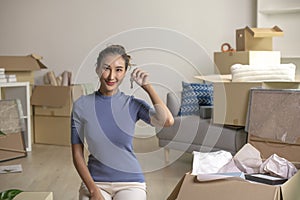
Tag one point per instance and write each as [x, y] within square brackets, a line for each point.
[224, 60]
[253, 47]
[52, 113]
[23, 67]
[272, 134]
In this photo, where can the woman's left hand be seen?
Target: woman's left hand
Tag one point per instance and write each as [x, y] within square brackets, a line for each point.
[140, 77]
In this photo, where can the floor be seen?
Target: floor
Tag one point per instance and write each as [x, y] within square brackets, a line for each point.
[50, 168]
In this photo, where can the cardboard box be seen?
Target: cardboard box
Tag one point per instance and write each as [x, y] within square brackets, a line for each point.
[34, 196]
[52, 113]
[256, 39]
[230, 99]
[273, 122]
[231, 102]
[224, 60]
[52, 130]
[232, 189]
[54, 100]
[22, 66]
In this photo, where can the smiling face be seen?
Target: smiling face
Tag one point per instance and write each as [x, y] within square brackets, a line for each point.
[111, 73]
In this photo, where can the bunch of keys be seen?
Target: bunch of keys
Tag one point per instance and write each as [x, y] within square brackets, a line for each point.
[131, 83]
[131, 79]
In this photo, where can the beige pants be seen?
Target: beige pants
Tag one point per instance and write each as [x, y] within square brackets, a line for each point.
[117, 191]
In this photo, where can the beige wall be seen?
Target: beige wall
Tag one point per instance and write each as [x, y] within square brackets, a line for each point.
[172, 39]
[64, 31]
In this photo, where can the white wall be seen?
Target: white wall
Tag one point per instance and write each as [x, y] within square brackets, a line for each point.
[172, 39]
[286, 15]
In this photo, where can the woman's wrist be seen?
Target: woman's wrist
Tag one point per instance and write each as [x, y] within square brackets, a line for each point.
[147, 87]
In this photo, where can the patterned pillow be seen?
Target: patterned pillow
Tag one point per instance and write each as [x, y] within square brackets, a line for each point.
[193, 96]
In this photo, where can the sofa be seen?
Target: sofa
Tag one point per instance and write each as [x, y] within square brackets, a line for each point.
[194, 133]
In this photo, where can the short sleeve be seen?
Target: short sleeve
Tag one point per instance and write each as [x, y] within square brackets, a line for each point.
[76, 126]
[145, 111]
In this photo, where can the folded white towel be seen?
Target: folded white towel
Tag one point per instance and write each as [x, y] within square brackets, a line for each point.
[250, 73]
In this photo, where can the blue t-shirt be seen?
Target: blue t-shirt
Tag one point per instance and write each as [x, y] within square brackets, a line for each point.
[106, 124]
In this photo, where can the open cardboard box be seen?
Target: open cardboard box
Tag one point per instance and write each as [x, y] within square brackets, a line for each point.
[52, 108]
[232, 189]
[257, 39]
[22, 66]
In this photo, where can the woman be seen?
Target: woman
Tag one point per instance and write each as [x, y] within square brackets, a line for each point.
[105, 121]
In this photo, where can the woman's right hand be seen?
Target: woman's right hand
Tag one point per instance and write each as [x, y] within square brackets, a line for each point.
[140, 77]
[96, 196]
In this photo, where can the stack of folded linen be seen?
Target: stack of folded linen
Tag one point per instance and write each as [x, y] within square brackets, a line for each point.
[260, 73]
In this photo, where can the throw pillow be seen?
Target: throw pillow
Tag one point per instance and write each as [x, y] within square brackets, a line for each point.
[193, 96]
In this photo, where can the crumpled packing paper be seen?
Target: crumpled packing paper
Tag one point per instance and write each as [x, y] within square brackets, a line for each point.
[248, 159]
[230, 167]
[278, 166]
[211, 162]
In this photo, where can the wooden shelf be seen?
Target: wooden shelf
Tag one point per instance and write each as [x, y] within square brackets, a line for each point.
[290, 57]
[280, 11]
[286, 15]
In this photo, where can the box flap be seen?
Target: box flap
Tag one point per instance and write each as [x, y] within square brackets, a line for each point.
[52, 96]
[21, 63]
[174, 194]
[265, 32]
[290, 189]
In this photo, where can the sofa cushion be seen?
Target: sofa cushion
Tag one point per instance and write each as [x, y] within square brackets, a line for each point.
[191, 133]
[193, 96]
